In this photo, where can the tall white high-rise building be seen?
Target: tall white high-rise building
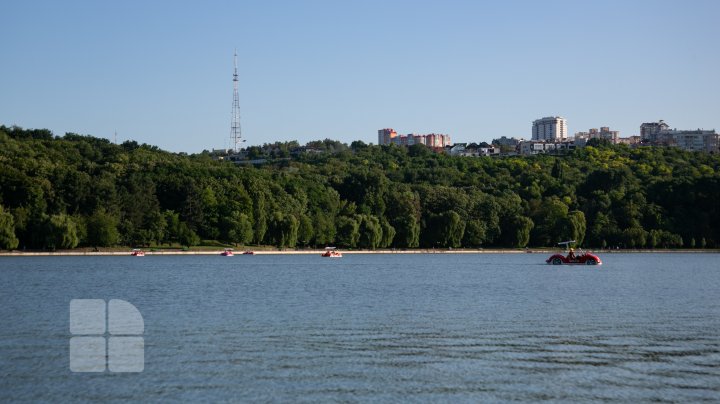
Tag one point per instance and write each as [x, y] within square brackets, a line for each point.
[551, 128]
[386, 136]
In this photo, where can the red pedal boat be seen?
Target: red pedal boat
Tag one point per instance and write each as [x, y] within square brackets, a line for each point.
[572, 258]
[331, 252]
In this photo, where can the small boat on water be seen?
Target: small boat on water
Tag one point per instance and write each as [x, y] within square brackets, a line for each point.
[228, 252]
[331, 252]
[581, 258]
[249, 253]
[136, 252]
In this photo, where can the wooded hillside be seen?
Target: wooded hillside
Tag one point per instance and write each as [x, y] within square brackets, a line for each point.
[64, 192]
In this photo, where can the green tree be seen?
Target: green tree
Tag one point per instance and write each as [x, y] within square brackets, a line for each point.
[550, 218]
[240, 229]
[8, 241]
[193, 212]
[603, 232]
[61, 232]
[488, 210]
[370, 232]
[388, 233]
[102, 229]
[516, 231]
[664, 239]
[155, 226]
[282, 230]
[324, 229]
[634, 237]
[347, 231]
[211, 214]
[558, 170]
[305, 230]
[172, 227]
[455, 229]
[522, 234]
[259, 210]
[141, 221]
[474, 233]
[187, 237]
[403, 214]
[575, 226]
[407, 231]
[290, 231]
[444, 230]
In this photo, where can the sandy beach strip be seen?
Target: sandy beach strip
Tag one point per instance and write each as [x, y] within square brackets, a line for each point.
[79, 253]
[254, 252]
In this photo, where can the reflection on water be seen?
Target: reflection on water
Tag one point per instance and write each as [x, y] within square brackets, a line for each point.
[643, 327]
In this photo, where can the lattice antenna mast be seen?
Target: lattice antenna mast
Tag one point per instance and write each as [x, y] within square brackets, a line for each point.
[235, 131]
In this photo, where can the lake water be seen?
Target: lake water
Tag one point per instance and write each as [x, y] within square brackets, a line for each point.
[431, 327]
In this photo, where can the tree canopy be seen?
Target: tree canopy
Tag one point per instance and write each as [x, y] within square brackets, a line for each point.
[74, 190]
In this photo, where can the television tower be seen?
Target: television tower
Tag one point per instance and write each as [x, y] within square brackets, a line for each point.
[235, 132]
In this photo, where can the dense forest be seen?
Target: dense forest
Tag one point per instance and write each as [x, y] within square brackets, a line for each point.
[75, 191]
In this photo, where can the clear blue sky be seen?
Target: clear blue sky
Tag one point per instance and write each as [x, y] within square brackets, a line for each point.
[160, 72]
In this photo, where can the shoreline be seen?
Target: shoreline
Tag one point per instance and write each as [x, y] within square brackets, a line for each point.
[76, 253]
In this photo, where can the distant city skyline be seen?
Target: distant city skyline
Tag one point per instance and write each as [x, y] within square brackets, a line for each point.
[161, 73]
